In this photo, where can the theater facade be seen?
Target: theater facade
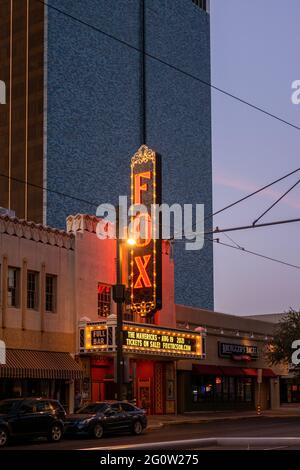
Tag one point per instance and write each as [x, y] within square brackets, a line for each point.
[150, 356]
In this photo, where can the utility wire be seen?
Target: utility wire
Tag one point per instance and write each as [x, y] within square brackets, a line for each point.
[232, 240]
[96, 205]
[254, 253]
[276, 202]
[247, 227]
[187, 74]
[257, 191]
[216, 230]
[43, 188]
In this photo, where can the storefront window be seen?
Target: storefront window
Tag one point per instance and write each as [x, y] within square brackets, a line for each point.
[240, 390]
[222, 389]
[248, 390]
[225, 388]
[218, 388]
[231, 389]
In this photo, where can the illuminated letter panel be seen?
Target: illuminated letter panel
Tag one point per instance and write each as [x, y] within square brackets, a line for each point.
[145, 256]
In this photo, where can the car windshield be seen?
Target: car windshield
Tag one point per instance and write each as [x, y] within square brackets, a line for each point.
[7, 405]
[93, 408]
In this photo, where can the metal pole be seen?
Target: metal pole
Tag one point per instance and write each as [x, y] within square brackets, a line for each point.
[119, 302]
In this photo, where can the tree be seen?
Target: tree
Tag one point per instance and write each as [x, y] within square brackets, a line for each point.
[286, 332]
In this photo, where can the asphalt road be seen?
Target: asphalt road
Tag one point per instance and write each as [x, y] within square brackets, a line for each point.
[250, 427]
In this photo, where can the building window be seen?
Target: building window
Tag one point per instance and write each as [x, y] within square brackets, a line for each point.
[13, 287]
[51, 285]
[221, 389]
[32, 290]
[104, 300]
[203, 4]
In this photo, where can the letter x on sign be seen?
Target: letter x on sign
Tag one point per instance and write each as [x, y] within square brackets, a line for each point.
[143, 276]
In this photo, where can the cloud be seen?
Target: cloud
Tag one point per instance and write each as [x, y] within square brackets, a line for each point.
[248, 187]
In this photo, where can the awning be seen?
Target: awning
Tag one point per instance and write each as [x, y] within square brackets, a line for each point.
[24, 363]
[250, 372]
[203, 369]
[253, 373]
[227, 371]
[232, 371]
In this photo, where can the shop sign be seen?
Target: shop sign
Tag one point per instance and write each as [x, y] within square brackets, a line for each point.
[96, 337]
[238, 352]
[145, 256]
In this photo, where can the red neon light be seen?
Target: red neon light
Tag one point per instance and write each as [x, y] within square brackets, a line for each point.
[102, 289]
[138, 187]
[143, 276]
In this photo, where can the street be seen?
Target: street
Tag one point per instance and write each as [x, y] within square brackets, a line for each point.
[250, 427]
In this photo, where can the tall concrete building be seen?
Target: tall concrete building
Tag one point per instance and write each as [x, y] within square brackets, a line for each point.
[87, 84]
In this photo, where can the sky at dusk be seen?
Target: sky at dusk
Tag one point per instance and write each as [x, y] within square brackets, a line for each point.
[255, 55]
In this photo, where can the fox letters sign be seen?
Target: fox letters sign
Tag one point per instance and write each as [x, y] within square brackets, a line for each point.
[145, 255]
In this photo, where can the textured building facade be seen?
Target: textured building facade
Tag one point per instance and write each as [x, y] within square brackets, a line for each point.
[97, 113]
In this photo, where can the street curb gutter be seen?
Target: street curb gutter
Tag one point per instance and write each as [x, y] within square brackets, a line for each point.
[161, 424]
[208, 442]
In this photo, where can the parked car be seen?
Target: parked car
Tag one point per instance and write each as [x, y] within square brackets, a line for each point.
[31, 418]
[98, 418]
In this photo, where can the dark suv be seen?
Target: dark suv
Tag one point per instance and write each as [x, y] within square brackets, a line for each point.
[31, 417]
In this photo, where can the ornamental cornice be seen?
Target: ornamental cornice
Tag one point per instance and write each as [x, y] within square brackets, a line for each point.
[36, 232]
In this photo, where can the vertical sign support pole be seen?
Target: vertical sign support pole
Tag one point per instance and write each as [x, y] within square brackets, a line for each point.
[119, 297]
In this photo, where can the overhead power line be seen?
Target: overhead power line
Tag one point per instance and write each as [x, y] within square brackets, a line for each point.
[171, 66]
[53, 191]
[247, 227]
[276, 202]
[254, 253]
[257, 191]
[96, 205]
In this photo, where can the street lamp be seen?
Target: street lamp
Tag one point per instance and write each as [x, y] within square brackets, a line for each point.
[119, 297]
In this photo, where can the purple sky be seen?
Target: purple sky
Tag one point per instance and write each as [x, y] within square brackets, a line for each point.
[255, 55]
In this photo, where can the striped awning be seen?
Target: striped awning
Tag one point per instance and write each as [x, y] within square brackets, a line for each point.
[24, 363]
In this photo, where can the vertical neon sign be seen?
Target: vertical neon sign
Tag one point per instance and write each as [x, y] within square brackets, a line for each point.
[145, 256]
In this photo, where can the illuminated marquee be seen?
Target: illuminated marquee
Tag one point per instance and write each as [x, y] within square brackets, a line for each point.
[162, 342]
[146, 340]
[145, 256]
[96, 337]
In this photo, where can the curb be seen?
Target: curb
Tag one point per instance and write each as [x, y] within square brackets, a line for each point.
[161, 424]
[207, 442]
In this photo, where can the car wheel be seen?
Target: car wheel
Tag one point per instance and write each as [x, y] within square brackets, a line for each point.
[55, 433]
[3, 437]
[137, 428]
[98, 431]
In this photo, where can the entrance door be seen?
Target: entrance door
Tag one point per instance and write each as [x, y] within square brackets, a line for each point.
[96, 391]
[144, 394]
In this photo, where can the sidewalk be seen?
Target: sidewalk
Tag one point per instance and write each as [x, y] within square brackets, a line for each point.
[157, 422]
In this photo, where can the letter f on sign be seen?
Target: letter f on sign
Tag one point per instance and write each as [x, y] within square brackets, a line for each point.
[143, 276]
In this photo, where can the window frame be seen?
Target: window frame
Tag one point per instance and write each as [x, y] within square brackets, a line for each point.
[104, 301]
[35, 305]
[53, 295]
[16, 288]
